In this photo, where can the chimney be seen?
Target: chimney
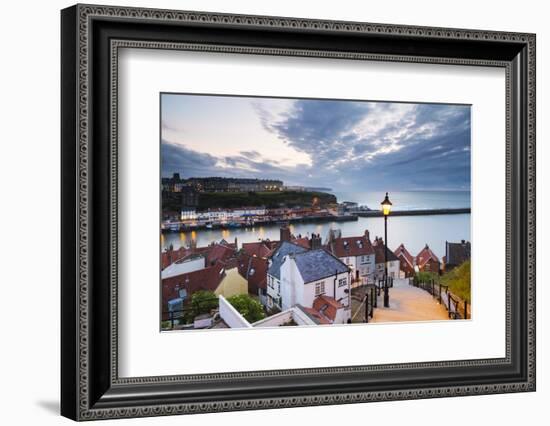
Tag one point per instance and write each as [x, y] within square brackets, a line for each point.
[463, 241]
[285, 233]
[315, 242]
[367, 234]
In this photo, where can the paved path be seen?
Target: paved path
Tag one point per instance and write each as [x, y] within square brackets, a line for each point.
[408, 303]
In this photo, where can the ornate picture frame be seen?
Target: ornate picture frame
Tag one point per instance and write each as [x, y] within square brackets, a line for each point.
[91, 37]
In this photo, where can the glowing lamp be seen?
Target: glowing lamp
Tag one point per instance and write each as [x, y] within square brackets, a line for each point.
[386, 205]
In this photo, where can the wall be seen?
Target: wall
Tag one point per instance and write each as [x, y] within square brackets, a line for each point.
[29, 158]
[231, 316]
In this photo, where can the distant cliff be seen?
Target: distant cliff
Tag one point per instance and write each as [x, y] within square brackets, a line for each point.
[211, 200]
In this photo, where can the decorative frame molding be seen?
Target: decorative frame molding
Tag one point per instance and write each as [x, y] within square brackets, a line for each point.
[91, 37]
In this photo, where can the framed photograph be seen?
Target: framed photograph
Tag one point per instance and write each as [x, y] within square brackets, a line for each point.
[265, 212]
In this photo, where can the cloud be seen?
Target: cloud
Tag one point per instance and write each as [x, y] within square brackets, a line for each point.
[369, 145]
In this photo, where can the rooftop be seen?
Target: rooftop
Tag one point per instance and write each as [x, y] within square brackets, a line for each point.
[425, 255]
[284, 249]
[403, 253]
[351, 246]
[379, 252]
[314, 265]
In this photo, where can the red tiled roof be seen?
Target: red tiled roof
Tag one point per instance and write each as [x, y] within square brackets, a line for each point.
[327, 306]
[402, 253]
[303, 241]
[379, 250]
[259, 249]
[257, 272]
[316, 315]
[351, 246]
[203, 279]
[253, 269]
[170, 256]
[424, 256]
[219, 252]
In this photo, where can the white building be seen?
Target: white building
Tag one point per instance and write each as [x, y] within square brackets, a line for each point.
[312, 279]
[357, 253]
[248, 211]
[188, 213]
[393, 260]
[184, 266]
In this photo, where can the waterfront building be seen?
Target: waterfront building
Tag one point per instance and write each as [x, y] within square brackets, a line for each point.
[406, 261]
[357, 253]
[456, 254]
[188, 213]
[380, 256]
[427, 261]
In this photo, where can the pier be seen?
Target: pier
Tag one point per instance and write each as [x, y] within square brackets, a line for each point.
[420, 212]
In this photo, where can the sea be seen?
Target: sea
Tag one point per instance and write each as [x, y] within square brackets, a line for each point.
[413, 231]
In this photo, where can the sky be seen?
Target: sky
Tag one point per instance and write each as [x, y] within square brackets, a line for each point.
[339, 144]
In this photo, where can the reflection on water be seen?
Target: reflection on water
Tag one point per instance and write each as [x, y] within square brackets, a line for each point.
[413, 231]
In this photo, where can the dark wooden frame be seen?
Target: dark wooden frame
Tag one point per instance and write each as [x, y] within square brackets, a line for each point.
[90, 386]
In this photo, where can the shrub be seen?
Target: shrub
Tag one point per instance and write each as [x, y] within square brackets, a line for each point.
[248, 307]
[459, 281]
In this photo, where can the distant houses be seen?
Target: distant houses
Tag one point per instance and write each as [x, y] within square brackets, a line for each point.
[406, 261]
[380, 253]
[427, 261]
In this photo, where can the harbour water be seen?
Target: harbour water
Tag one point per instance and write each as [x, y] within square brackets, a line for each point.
[413, 231]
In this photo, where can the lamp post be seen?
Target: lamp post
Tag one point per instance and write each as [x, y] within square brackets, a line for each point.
[386, 208]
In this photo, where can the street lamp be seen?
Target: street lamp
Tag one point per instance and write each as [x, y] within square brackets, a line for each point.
[386, 208]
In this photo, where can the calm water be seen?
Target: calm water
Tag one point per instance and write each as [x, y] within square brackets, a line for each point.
[412, 200]
[413, 231]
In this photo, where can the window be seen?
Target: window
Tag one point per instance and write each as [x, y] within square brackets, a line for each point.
[342, 282]
[319, 288]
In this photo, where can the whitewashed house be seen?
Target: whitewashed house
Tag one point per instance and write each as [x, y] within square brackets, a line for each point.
[357, 253]
[274, 272]
[314, 280]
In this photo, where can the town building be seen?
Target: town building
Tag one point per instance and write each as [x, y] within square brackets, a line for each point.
[179, 289]
[456, 254]
[254, 270]
[357, 253]
[406, 261]
[188, 213]
[190, 263]
[380, 251]
[313, 279]
[427, 261]
[276, 260]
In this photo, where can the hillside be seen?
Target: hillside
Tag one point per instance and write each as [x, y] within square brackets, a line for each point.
[209, 200]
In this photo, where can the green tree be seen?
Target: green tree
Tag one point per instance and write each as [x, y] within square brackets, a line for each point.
[248, 307]
[202, 302]
[459, 281]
